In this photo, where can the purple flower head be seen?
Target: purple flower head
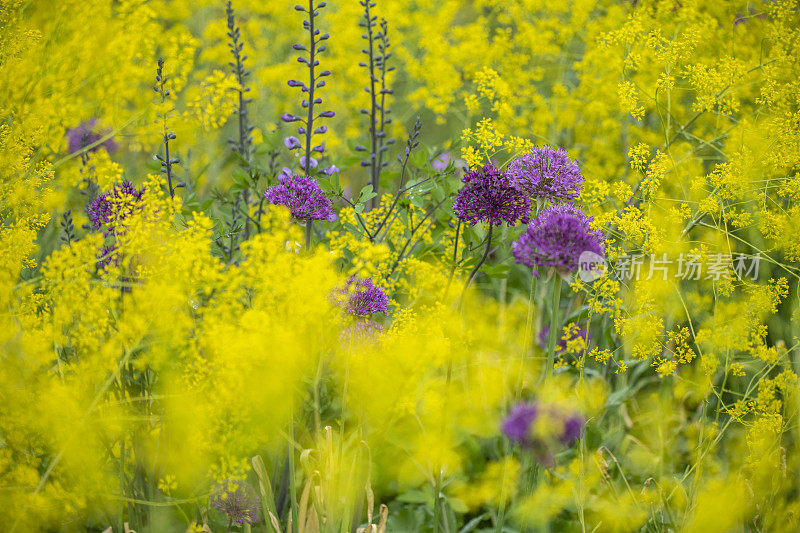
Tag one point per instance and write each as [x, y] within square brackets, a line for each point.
[573, 426]
[562, 344]
[441, 161]
[238, 501]
[84, 134]
[113, 206]
[557, 238]
[517, 425]
[302, 196]
[487, 196]
[546, 173]
[361, 298]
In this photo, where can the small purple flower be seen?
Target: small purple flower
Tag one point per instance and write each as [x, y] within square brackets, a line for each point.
[331, 170]
[562, 344]
[363, 298]
[517, 425]
[84, 135]
[487, 196]
[573, 426]
[238, 501]
[287, 117]
[557, 238]
[302, 196]
[113, 206]
[312, 161]
[291, 142]
[546, 173]
[441, 161]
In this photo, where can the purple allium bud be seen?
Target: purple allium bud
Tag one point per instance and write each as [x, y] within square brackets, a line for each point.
[302, 196]
[546, 173]
[327, 114]
[331, 170]
[291, 142]
[287, 117]
[114, 205]
[562, 344]
[238, 501]
[361, 298]
[573, 426]
[441, 161]
[488, 197]
[84, 135]
[517, 425]
[557, 238]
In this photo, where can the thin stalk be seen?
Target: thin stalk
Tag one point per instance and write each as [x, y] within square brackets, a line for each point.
[554, 326]
[292, 477]
[480, 263]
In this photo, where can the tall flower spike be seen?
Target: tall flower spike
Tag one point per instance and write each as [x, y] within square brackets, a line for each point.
[488, 196]
[242, 145]
[557, 238]
[167, 161]
[377, 112]
[546, 173]
[302, 196]
[315, 81]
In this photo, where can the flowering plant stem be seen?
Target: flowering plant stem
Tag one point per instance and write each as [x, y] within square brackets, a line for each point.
[554, 326]
[481, 262]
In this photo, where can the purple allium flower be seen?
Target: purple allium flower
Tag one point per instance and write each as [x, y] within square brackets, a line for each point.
[107, 256]
[573, 426]
[363, 298]
[84, 135]
[517, 425]
[561, 344]
[487, 196]
[546, 173]
[557, 238]
[302, 196]
[237, 500]
[120, 201]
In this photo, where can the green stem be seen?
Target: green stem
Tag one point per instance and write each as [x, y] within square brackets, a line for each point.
[308, 235]
[292, 477]
[555, 326]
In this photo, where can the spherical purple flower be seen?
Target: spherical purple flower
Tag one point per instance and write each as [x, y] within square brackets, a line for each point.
[84, 135]
[302, 196]
[363, 298]
[562, 344]
[238, 501]
[573, 426]
[113, 206]
[546, 173]
[517, 425]
[557, 238]
[488, 196]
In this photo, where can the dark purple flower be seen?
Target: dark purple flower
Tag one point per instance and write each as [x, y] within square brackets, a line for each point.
[562, 344]
[113, 206]
[517, 425]
[84, 134]
[487, 196]
[238, 501]
[557, 238]
[573, 426]
[362, 298]
[302, 196]
[546, 173]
